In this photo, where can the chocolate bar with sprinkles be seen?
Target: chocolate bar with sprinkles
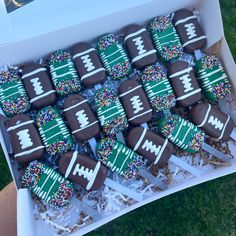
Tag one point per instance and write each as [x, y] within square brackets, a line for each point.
[119, 158]
[214, 122]
[47, 184]
[110, 112]
[13, 97]
[38, 85]
[157, 88]
[165, 38]
[83, 170]
[135, 102]
[139, 45]
[81, 119]
[26, 142]
[189, 30]
[184, 83]
[212, 78]
[88, 64]
[113, 57]
[54, 133]
[63, 72]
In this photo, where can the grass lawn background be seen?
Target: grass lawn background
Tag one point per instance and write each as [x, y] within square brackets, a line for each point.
[207, 209]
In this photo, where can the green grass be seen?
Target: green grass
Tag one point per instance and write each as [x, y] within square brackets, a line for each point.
[207, 209]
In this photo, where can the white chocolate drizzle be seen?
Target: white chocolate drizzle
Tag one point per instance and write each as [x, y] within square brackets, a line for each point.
[216, 122]
[139, 44]
[191, 30]
[137, 104]
[187, 83]
[88, 64]
[82, 118]
[37, 86]
[24, 138]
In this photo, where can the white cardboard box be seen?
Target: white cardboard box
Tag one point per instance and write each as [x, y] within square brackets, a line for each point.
[29, 48]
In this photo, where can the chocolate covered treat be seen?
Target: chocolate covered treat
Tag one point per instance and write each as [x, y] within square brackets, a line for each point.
[64, 75]
[151, 146]
[83, 170]
[189, 30]
[113, 57]
[139, 46]
[119, 158]
[88, 64]
[38, 85]
[26, 142]
[53, 131]
[135, 102]
[13, 97]
[157, 88]
[110, 111]
[184, 83]
[212, 78]
[165, 38]
[47, 184]
[81, 119]
[181, 132]
[214, 122]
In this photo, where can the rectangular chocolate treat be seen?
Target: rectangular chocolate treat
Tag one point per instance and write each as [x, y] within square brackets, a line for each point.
[214, 122]
[139, 46]
[26, 142]
[184, 83]
[135, 102]
[81, 119]
[88, 64]
[151, 146]
[83, 170]
[189, 30]
[38, 85]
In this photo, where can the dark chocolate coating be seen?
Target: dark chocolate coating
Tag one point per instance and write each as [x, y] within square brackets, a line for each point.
[81, 117]
[184, 83]
[213, 121]
[150, 143]
[184, 29]
[83, 162]
[44, 81]
[26, 140]
[139, 44]
[88, 63]
[135, 102]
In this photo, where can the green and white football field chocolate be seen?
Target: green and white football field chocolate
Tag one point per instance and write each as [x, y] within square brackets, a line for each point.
[54, 133]
[47, 184]
[64, 75]
[110, 112]
[158, 88]
[119, 158]
[113, 57]
[181, 132]
[165, 38]
[13, 97]
[212, 78]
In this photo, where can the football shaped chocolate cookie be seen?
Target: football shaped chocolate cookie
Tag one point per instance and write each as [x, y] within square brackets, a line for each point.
[135, 102]
[189, 30]
[81, 119]
[38, 85]
[139, 46]
[26, 142]
[184, 83]
[214, 122]
[88, 64]
[150, 145]
[83, 170]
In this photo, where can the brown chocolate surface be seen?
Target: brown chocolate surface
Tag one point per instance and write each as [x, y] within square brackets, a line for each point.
[25, 140]
[81, 119]
[83, 170]
[88, 64]
[184, 83]
[213, 121]
[150, 145]
[139, 46]
[135, 102]
[189, 30]
[37, 84]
